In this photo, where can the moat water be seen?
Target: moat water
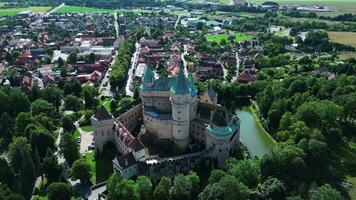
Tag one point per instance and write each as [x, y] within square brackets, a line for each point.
[252, 135]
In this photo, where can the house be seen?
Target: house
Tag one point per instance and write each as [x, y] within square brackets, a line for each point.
[244, 77]
[27, 83]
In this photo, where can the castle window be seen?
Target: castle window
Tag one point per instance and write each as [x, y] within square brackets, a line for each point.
[178, 131]
[178, 118]
[178, 111]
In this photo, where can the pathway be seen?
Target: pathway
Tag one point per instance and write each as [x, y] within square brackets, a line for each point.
[238, 62]
[134, 60]
[185, 63]
[86, 138]
[54, 10]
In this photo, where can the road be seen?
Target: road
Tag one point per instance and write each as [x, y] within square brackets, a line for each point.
[60, 157]
[185, 63]
[53, 10]
[238, 61]
[94, 193]
[105, 88]
[133, 66]
[86, 138]
[177, 22]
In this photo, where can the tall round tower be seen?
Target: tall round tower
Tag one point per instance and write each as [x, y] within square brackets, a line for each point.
[180, 99]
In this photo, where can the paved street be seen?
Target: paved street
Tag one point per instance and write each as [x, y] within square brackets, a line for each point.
[86, 138]
[237, 67]
[131, 70]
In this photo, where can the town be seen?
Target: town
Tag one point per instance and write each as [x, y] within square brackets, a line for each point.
[177, 100]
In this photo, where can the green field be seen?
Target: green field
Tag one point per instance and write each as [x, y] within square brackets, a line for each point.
[78, 9]
[14, 11]
[225, 2]
[219, 37]
[87, 128]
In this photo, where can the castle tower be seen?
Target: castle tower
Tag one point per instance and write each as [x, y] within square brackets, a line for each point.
[103, 123]
[148, 77]
[180, 99]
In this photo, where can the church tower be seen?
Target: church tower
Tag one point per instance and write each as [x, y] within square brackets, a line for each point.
[180, 99]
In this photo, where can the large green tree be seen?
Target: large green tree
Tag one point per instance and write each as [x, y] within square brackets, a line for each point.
[70, 148]
[81, 170]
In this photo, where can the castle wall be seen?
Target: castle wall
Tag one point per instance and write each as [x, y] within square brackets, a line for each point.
[131, 118]
[161, 128]
[158, 99]
[197, 130]
[193, 107]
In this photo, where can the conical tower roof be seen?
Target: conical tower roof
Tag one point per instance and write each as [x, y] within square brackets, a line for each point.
[148, 76]
[180, 86]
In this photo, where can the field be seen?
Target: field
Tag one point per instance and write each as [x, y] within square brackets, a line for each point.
[352, 192]
[219, 37]
[341, 6]
[78, 9]
[225, 2]
[347, 38]
[14, 11]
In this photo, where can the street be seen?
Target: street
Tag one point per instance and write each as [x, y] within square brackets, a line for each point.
[130, 73]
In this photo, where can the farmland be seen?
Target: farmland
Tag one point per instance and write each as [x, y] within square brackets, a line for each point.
[14, 11]
[219, 37]
[347, 38]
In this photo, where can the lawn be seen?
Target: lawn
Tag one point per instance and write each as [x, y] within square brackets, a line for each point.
[219, 37]
[14, 11]
[225, 2]
[106, 103]
[352, 191]
[347, 38]
[89, 128]
[76, 134]
[78, 9]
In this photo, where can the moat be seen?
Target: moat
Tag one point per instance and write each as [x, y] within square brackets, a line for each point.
[252, 135]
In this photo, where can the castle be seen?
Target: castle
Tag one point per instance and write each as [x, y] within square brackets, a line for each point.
[170, 109]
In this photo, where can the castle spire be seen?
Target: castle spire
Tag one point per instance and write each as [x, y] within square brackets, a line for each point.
[180, 86]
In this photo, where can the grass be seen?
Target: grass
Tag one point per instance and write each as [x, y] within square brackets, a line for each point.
[106, 103]
[76, 134]
[78, 9]
[90, 159]
[89, 128]
[219, 37]
[257, 119]
[345, 56]
[14, 11]
[352, 191]
[225, 2]
[346, 38]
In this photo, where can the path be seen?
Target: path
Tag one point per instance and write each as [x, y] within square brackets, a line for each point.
[94, 193]
[134, 60]
[185, 63]
[237, 68]
[86, 138]
[177, 22]
[60, 157]
[105, 87]
[54, 10]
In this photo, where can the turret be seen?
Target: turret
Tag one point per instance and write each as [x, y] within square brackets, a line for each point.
[180, 99]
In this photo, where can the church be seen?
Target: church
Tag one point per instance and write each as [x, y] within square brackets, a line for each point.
[170, 108]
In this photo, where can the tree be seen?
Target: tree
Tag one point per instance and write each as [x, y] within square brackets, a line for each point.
[144, 187]
[17, 149]
[121, 189]
[72, 58]
[4, 100]
[81, 170]
[273, 188]
[246, 171]
[72, 102]
[73, 87]
[194, 180]
[6, 174]
[22, 120]
[42, 106]
[68, 121]
[53, 94]
[19, 102]
[41, 139]
[181, 189]
[161, 191]
[216, 175]
[233, 189]
[89, 95]
[59, 191]
[50, 166]
[6, 129]
[15, 196]
[212, 192]
[325, 192]
[70, 148]
[60, 62]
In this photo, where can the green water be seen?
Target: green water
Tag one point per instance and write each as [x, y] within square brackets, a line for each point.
[256, 141]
